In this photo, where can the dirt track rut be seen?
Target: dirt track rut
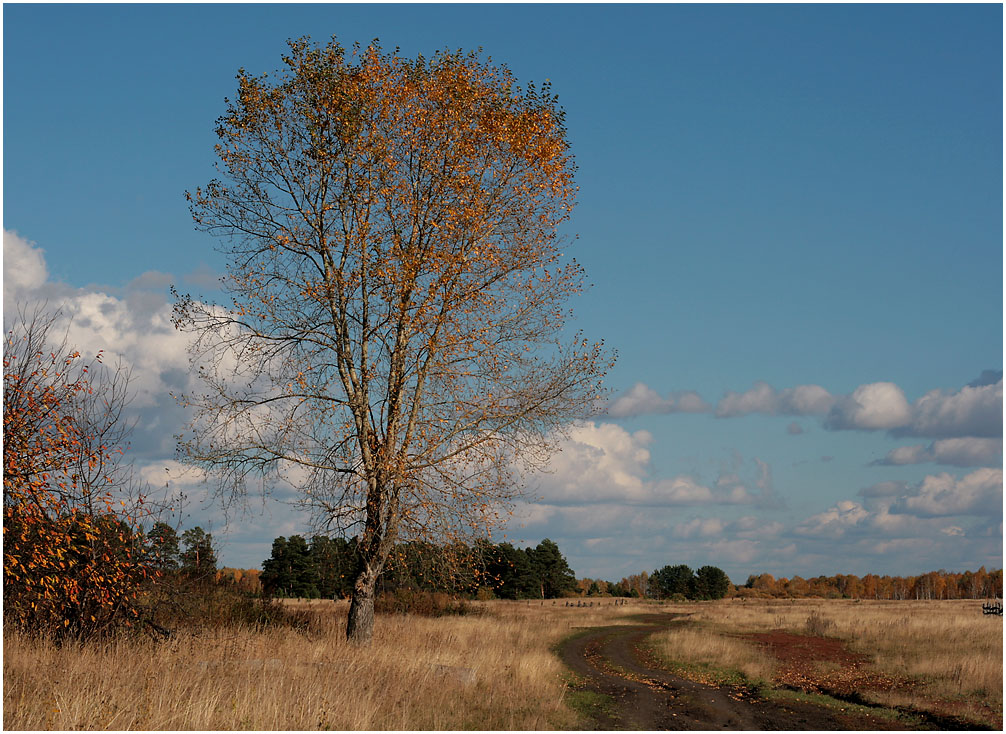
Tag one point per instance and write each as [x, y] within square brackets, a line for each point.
[645, 697]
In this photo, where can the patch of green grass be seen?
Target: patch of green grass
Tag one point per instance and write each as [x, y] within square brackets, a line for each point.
[586, 704]
[822, 699]
[589, 704]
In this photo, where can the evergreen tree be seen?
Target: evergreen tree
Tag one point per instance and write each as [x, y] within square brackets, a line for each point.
[554, 574]
[670, 580]
[198, 559]
[162, 544]
[513, 572]
[291, 570]
[711, 583]
[335, 560]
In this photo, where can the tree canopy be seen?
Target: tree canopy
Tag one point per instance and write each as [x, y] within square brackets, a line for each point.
[395, 345]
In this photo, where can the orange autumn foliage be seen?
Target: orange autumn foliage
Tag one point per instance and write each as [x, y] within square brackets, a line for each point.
[72, 558]
[396, 341]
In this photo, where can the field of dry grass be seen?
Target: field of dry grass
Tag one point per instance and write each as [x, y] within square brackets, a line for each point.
[486, 671]
[493, 670]
[940, 656]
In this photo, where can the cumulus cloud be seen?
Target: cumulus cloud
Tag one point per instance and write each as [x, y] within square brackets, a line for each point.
[641, 399]
[951, 451]
[172, 473]
[901, 511]
[878, 405]
[24, 268]
[835, 521]
[763, 398]
[131, 326]
[943, 495]
[603, 462]
[748, 527]
[597, 462]
[699, 527]
[971, 411]
[974, 411]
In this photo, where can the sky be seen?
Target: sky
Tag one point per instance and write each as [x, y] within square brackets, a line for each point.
[791, 217]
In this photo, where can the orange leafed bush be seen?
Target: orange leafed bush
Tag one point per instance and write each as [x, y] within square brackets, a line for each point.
[73, 556]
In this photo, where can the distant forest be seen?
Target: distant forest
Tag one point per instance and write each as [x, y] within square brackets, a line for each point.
[322, 568]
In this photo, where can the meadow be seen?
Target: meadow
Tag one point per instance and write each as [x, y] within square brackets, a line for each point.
[494, 668]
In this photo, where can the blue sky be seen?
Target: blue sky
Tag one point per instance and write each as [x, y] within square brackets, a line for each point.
[791, 217]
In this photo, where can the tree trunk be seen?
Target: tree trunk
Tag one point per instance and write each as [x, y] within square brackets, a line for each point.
[360, 626]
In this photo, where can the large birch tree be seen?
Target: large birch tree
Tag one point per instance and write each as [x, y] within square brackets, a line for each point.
[395, 345]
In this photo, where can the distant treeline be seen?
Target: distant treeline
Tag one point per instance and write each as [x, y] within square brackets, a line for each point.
[325, 567]
[980, 584]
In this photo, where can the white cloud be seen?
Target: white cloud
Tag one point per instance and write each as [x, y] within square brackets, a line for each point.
[966, 451]
[24, 268]
[747, 527]
[130, 326]
[751, 527]
[942, 495]
[902, 518]
[763, 398]
[971, 411]
[699, 527]
[879, 405]
[835, 521]
[641, 399]
[172, 473]
[598, 462]
[602, 462]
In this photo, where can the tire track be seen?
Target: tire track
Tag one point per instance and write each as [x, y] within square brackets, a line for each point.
[646, 697]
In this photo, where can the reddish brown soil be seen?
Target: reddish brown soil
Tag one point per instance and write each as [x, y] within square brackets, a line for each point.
[612, 661]
[823, 665]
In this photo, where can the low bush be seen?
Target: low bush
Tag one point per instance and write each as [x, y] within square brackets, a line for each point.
[819, 626]
[422, 603]
[182, 603]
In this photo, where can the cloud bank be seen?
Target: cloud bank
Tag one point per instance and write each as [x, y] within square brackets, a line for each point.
[603, 462]
[972, 412]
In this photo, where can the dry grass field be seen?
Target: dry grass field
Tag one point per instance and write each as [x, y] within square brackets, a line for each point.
[482, 671]
[494, 670]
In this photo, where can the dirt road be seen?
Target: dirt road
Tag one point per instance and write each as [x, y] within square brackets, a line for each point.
[613, 663]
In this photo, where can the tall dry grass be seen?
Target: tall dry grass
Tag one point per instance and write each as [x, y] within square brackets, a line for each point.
[949, 650]
[494, 670]
[717, 657]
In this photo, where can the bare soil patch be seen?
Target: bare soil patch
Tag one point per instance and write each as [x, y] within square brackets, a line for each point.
[824, 665]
